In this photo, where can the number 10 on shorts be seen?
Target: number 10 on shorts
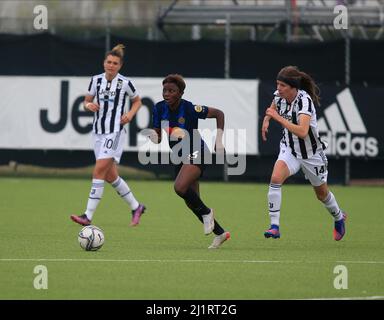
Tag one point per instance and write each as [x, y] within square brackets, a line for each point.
[108, 143]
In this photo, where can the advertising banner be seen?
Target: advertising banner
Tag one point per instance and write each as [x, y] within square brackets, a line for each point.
[47, 112]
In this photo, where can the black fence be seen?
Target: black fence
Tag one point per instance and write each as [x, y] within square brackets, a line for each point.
[48, 55]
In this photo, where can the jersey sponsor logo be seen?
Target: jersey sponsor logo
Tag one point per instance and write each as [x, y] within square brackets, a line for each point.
[287, 116]
[343, 128]
[108, 100]
[107, 93]
[198, 108]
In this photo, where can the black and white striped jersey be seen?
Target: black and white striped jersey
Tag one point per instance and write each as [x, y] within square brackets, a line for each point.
[110, 95]
[303, 104]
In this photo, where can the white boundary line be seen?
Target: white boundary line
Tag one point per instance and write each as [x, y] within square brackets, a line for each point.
[180, 260]
[349, 298]
[146, 260]
[362, 262]
[206, 261]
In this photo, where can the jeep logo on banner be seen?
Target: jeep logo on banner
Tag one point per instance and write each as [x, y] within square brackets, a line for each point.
[343, 128]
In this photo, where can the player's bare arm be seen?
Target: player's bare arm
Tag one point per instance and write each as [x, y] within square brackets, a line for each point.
[265, 125]
[300, 130]
[220, 120]
[90, 105]
[128, 116]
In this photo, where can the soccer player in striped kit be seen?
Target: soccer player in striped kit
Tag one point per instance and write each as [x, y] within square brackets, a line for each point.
[109, 135]
[293, 107]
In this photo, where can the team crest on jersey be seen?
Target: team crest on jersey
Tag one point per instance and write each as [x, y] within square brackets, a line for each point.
[198, 108]
[181, 120]
[119, 84]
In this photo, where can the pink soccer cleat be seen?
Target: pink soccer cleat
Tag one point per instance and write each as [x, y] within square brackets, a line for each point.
[136, 215]
[273, 232]
[83, 220]
[339, 230]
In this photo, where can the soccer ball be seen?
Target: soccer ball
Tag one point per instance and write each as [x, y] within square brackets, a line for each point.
[91, 238]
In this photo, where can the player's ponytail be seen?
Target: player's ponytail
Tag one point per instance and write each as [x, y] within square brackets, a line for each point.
[309, 85]
[300, 80]
[117, 51]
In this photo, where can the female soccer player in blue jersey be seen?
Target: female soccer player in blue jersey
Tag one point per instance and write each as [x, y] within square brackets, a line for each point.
[110, 89]
[179, 118]
[293, 107]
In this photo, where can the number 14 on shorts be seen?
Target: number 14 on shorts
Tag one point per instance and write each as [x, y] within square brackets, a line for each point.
[319, 170]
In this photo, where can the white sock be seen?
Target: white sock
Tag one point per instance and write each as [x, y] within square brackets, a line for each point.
[274, 203]
[94, 197]
[123, 190]
[331, 204]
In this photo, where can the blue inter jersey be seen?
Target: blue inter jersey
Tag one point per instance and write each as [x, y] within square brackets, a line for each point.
[186, 116]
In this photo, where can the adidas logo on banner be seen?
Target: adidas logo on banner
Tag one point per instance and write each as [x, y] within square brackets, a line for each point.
[344, 130]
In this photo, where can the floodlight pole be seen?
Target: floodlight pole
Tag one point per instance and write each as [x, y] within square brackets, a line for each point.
[227, 57]
[347, 176]
[108, 32]
[289, 19]
[227, 73]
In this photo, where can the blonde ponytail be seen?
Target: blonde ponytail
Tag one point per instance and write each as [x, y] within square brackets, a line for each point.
[117, 51]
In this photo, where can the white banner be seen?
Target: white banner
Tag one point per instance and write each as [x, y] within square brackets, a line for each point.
[47, 112]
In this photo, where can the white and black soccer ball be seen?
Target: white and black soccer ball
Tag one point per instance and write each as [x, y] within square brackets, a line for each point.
[91, 238]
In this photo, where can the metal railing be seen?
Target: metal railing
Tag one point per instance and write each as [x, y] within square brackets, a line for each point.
[267, 15]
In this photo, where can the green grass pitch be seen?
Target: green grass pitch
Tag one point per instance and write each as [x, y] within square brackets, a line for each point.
[166, 256]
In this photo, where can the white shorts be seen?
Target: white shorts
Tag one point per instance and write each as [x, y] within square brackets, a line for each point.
[109, 145]
[315, 168]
